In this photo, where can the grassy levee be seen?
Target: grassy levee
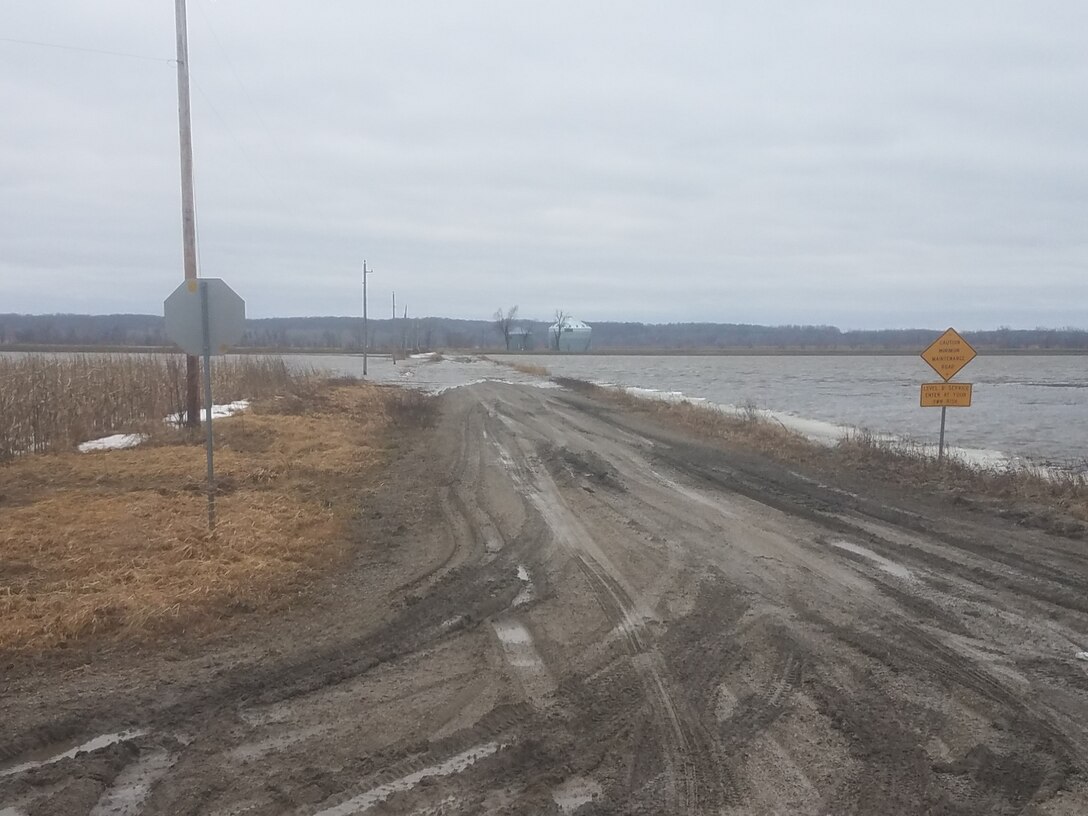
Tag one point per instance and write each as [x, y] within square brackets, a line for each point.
[112, 547]
[1051, 499]
[50, 403]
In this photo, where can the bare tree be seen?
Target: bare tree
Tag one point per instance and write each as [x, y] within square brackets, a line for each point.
[560, 316]
[504, 321]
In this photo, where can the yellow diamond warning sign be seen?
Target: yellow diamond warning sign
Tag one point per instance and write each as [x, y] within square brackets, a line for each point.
[946, 395]
[948, 354]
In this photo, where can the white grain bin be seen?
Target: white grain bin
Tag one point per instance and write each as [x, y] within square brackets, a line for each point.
[570, 335]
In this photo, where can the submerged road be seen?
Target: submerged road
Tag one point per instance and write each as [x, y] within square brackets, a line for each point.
[562, 608]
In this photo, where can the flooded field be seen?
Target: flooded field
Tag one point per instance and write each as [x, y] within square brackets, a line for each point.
[1029, 408]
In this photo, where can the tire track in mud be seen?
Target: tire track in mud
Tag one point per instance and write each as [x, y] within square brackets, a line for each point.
[693, 775]
[830, 508]
[885, 731]
[754, 714]
[724, 635]
[931, 658]
[400, 769]
[904, 644]
[688, 714]
[475, 594]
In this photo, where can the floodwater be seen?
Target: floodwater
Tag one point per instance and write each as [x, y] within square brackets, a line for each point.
[1025, 408]
[1032, 408]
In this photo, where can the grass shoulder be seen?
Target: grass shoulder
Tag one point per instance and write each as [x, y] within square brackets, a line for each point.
[114, 545]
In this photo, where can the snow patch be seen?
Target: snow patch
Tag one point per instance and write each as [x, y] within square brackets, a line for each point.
[526, 594]
[114, 442]
[218, 411]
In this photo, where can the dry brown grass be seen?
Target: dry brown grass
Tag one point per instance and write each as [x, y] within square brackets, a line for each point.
[524, 368]
[54, 402]
[748, 429]
[1063, 494]
[1063, 491]
[534, 370]
[114, 544]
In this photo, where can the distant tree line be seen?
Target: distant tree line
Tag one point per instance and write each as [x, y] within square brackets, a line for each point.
[345, 334]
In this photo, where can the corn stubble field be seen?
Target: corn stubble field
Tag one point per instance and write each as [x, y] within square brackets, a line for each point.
[115, 544]
[52, 403]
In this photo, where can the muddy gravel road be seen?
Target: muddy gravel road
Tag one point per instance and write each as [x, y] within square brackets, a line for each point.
[559, 608]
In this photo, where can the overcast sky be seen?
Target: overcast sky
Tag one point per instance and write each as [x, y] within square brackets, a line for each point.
[853, 163]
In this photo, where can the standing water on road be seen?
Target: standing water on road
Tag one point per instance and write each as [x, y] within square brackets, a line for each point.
[1025, 407]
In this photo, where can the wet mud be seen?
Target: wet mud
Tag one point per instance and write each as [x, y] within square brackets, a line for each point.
[556, 607]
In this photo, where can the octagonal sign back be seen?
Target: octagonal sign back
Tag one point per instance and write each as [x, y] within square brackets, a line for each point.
[185, 322]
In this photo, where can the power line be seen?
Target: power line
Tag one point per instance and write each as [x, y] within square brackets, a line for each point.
[230, 131]
[84, 50]
[237, 77]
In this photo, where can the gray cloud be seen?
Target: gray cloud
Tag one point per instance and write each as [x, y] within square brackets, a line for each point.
[861, 164]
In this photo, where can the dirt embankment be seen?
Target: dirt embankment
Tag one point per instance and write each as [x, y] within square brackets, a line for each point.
[556, 605]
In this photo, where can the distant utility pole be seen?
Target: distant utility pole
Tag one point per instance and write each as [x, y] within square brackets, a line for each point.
[366, 337]
[393, 328]
[188, 205]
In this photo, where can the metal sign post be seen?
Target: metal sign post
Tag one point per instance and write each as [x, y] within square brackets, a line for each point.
[205, 317]
[947, 355]
[940, 444]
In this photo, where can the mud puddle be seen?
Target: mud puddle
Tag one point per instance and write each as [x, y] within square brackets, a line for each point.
[521, 654]
[133, 784]
[517, 643]
[575, 792]
[274, 744]
[890, 567]
[374, 796]
[57, 752]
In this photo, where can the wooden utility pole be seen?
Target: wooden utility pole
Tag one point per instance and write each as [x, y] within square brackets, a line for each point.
[366, 337]
[188, 203]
